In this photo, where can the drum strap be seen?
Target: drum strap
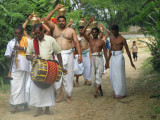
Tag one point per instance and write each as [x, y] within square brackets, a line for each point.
[36, 47]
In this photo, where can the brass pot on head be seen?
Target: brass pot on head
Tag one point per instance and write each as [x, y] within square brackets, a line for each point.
[61, 11]
[34, 20]
[94, 24]
[88, 29]
[82, 23]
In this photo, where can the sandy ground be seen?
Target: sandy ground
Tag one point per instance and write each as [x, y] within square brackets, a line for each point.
[85, 107]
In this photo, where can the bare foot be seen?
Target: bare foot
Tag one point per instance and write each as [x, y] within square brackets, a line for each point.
[77, 84]
[38, 112]
[89, 83]
[119, 97]
[15, 110]
[68, 100]
[100, 90]
[59, 99]
[85, 83]
[95, 95]
[48, 112]
[26, 107]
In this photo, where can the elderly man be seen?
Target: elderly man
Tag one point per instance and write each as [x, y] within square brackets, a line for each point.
[47, 46]
[64, 37]
[16, 48]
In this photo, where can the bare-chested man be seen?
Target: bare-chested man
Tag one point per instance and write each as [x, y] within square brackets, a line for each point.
[85, 58]
[117, 67]
[64, 37]
[96, 45]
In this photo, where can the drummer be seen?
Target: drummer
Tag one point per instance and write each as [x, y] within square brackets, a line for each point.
[47, 46]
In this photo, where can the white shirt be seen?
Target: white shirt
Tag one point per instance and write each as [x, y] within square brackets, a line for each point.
[23, 63]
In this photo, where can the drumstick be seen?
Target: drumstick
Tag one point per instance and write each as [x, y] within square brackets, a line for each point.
[70, 71]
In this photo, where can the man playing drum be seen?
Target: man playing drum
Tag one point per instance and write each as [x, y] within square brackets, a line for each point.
[20, 68]
[47, 46]
[64, 37]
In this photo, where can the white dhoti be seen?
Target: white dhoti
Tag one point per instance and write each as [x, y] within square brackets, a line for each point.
[79, 68]
[39, 97]
[87, 65]
[97, 68]
[18, 87]
[68, 64]
[117, 73]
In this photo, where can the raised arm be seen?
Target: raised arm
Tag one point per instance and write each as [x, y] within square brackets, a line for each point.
[128, 52]
[51, 25]
[70, 22]
[48, 32]
[86, 36]
[107, 34]
[101, 31]
[24, 26]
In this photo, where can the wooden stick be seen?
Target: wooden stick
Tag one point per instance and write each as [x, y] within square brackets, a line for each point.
[70, 71]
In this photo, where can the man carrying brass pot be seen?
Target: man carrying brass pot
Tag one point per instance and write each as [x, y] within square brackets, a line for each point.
[64, 37]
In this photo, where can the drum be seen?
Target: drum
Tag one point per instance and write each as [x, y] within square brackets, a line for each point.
[45, 72]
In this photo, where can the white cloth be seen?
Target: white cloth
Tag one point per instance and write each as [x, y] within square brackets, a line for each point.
[40, 97]
[87, 66]
[79, 68]
[67, 80]
[117, 73]
[36, 96]
[23, 63]
[18, 87]
[97, 68]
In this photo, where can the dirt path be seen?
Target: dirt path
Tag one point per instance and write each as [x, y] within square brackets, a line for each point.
[86, 107]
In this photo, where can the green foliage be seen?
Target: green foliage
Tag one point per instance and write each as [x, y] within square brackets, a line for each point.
[149, 19]
[14, 12]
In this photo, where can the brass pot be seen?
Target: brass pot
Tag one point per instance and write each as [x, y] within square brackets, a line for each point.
[61, 11]
[94, 24]
[88, 29]
[82, 23]
[34, 20]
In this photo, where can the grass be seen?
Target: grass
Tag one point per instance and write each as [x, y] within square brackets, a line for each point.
[4, 88]
[152, 80]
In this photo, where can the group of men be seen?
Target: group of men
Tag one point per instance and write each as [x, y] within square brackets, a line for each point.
[60, 43]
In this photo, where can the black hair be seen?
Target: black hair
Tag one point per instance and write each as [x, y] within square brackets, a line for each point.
[37, 26]
[80, 27]
[134, 41]
[61, 17]
[19, 27]
[95, 29]
[115, 27]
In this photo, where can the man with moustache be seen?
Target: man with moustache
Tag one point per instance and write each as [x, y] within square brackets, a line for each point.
[47, 45]
[64, 37]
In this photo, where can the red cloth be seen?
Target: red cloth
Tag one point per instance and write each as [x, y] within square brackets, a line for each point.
[54, 20]
[36, 47]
